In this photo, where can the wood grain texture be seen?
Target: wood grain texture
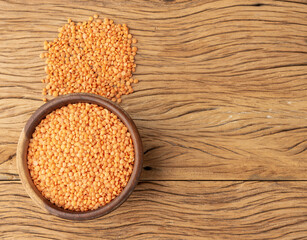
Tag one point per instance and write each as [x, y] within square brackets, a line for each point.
[222, 96]
[174, 210]
[222, 92]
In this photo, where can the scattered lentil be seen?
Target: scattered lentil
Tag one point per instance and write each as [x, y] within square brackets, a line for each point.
[94, 56]
[80, 156]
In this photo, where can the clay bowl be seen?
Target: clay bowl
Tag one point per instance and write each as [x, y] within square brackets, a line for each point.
[26, 134]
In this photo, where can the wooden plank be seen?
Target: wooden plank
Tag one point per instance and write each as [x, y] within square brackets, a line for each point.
[171, 210]
[222, 92]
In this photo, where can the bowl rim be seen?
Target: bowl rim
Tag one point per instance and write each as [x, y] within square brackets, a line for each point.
[26, 135]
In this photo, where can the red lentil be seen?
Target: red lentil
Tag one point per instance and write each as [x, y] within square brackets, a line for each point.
[80, 156]
[94, 56]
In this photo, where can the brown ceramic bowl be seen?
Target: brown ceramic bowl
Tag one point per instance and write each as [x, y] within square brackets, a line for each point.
[26, 134]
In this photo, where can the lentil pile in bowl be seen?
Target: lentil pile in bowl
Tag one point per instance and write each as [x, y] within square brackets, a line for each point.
[79, 156]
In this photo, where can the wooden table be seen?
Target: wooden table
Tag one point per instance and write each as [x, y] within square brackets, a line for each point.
[221, 107]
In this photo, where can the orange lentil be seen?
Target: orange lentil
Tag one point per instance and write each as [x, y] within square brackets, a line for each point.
[92, 177]
[94, 57]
